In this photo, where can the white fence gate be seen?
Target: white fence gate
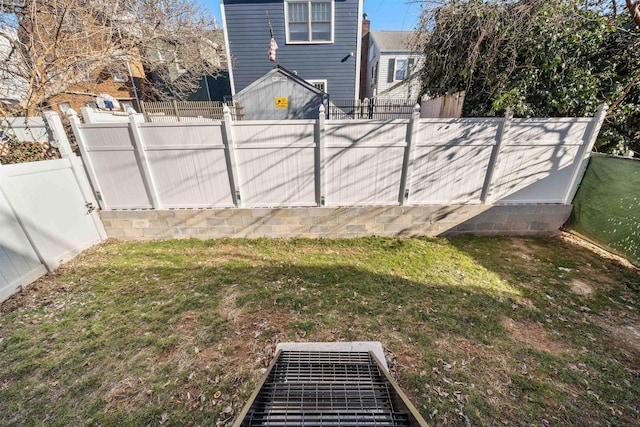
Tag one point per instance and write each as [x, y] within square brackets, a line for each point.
[46, 209]
[336, 163]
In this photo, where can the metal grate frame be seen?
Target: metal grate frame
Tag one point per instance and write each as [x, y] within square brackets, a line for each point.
[305, 388]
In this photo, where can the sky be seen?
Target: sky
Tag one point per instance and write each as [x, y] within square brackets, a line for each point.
[384, 14]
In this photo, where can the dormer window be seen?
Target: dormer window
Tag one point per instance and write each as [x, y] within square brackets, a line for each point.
[309, 21]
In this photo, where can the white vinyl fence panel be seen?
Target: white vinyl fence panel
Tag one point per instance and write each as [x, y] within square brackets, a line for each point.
[450, 160]
[337, 162]
[276, 162]
[536, 160]
[111, 152]
[364, 161]
[52, 209]
[47, 212]
[19, 263]
[187, 164]
[27, 129]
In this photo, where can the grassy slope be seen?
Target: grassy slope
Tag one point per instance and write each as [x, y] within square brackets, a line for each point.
[482, 330]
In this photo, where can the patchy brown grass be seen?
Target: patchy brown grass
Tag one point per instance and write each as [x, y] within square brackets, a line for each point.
[476, 330]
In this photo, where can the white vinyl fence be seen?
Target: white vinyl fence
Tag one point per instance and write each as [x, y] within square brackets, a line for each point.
[47, 211]
[336, 163]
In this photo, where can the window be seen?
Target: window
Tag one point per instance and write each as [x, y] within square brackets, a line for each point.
[319, 84]
[401, 69]
[64, 107]
[119, 76]
[309, 21]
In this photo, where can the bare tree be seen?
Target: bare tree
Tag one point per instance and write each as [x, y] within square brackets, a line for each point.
[49, 46]
[634, 10]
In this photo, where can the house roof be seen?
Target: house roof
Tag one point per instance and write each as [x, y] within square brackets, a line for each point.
[394, 41]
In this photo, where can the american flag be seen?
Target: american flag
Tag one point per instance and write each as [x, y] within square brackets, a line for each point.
[273, 46]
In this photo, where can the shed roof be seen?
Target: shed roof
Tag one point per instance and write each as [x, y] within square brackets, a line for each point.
[394, 41]
[282, 71]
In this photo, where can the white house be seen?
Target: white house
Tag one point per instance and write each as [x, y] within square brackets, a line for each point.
[392, 64]
[13, 87]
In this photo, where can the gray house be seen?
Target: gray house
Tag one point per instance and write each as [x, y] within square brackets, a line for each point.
[318, 40]
[280, 94]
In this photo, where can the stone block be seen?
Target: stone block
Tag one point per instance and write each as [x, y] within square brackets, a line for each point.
[292, 220]
[309, 220]
[396, 228]
[515, 225]
[262, 229]
[132, 233]
[156, 232]
[299, 212]
[484, 226]
[322, 211]
[215, 222]
[106, 215]
[328, 220]
[189, 231]
[361, 229]
[115, 232]
[121, 223]
[216, 231]
[401, 219]
[319, 229]
[141, 214]
[185, 214]
[260, 213]
[232, 220]
[140, 223]
[540, 226]
[280, 213]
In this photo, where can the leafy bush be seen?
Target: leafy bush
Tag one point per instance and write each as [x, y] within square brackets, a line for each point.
[12, 150]
[541, 58]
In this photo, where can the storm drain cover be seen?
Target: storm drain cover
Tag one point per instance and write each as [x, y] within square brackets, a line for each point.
[328, 388]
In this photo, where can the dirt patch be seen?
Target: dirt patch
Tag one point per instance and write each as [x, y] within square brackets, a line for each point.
[228, 308]
[579, 287]
[626, 336]
[576, 240]
[533, 335]
[125, 395]
[187, 321]
[521, 249]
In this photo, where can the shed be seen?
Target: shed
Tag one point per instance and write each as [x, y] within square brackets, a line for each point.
[280, 94]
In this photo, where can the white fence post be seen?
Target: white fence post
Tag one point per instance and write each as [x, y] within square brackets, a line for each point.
[232, 165]
[493, 160]
[86, 159]
[365, 110]
[320, 156]
[59, 134]
[407, 163]
[582, 158]
[141, 158]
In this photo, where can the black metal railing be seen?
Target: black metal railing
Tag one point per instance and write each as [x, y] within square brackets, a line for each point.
[374, 108]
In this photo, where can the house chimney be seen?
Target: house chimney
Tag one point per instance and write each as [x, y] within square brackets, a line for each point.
[364, 55]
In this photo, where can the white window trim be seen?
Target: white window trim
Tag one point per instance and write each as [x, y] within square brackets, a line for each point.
[119, 77]
[395, 69]
[324, 82]
[286, 22]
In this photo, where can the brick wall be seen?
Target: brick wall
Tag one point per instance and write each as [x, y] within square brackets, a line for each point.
[330, 222]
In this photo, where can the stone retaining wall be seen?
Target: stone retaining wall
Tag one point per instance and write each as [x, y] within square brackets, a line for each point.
[332, 222]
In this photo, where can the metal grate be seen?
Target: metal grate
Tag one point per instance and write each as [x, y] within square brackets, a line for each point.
[320, 389]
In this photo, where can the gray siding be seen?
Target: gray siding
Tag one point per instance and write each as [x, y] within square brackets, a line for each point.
[248, 32]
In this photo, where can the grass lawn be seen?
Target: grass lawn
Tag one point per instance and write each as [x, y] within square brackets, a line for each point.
[494, 331]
